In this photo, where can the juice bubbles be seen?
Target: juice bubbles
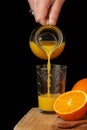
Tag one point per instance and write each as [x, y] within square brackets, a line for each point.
[50, 78]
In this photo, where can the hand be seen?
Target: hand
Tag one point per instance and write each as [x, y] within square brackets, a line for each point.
[46, 11]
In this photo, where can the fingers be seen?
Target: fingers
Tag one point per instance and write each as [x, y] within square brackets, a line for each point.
[41, 11]
[55, 11]
[31, 3]
[46, 11]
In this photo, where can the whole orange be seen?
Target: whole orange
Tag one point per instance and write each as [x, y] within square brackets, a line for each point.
[81, 85]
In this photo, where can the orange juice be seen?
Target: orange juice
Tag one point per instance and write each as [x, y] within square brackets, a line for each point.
[42, 54]
[47, 43]
[46, 100]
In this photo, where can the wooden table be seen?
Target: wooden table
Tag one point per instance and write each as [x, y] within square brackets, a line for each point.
[35, 120]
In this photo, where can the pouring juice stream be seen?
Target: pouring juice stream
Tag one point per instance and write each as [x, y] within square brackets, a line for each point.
[47, 47]
[46, 100]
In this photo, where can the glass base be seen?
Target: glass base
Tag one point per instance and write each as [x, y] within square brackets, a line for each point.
[46, 112]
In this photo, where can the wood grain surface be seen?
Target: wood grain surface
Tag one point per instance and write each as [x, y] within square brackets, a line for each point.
[36, 120]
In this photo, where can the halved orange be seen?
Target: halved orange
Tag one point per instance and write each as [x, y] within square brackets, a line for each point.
[71, 105]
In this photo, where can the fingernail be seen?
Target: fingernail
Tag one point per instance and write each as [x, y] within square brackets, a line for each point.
[47, 22]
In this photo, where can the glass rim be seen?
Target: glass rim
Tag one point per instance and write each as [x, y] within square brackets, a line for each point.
[56, 66]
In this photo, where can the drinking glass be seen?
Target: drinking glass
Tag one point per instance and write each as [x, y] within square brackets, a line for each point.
[50, 89]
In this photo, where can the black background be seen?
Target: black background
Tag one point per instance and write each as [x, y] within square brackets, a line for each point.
[18, 91]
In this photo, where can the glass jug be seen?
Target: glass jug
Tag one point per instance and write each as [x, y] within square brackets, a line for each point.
[49, 36]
